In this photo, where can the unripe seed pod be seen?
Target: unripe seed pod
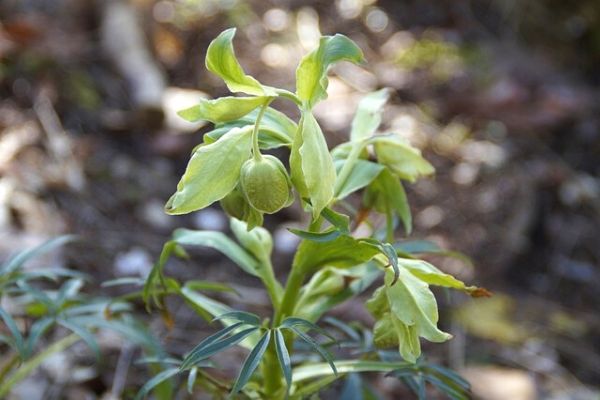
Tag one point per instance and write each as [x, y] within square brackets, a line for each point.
[266, 184]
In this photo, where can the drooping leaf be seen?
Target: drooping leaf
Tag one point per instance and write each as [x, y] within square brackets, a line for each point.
[241, 316]
[213, 172]
[316, 346]
[311, 371]
[191, 381]
[201, 353]
[251, 363]
[284, 358]
[338, 220]
[312, 169]
[223, 109]
[401, 158]
[368, 115]
[386, 195]
[325, 236]
[221, 60]
[83, 333]
[433, 276]
[155, 381]
[218, 241]
[16, 337]
[362, 174]
[292, 322]
[311, 75]
[258, 241]
[413, 303]
[37, 330]
[343, 252]
[21, 258]
[275, 129]
[215, 337]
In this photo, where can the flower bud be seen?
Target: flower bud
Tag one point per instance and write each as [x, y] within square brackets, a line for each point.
[266, 184]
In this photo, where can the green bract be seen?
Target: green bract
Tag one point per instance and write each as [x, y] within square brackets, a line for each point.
[331, 264]
[265, 184]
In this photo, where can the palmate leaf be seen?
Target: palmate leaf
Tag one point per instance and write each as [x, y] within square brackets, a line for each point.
[215, 343]
[221, 60]
[294, 323]
[212, 172]
[251, 363]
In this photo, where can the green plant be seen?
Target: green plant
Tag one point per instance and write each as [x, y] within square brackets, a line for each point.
[48, 301]
[331, 265]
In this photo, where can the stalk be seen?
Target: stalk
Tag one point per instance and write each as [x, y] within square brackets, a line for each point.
[255, 148]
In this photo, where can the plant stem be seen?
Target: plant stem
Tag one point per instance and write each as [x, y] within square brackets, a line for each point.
[255, 148]
[357, 147]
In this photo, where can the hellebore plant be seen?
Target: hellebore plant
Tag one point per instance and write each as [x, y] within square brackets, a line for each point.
[331, 264]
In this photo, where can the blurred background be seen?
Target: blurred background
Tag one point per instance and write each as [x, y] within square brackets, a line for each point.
[501, 95]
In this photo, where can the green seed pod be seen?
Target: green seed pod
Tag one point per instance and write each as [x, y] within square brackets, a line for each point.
[235, 204]
[266, 184]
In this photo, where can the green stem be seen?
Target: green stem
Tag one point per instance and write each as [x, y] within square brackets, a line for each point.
[27, 367]
[255, 147]
[348, 166]
[289, 95]
[272, 285]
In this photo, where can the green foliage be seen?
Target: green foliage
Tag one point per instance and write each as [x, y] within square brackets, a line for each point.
[332, 264]
[46, 298]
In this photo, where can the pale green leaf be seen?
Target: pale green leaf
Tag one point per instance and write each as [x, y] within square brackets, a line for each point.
[221, 60]
[401, 158]
[312, 169]
[312, 371]
[213, 172]
[362, 174]
[275, 129]
[413, 303]
[386, 195]
[368, 115]
[433, 276]
[343, 252]
[220, 242]
[258, 241]
[223, 109]
[311, 75]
